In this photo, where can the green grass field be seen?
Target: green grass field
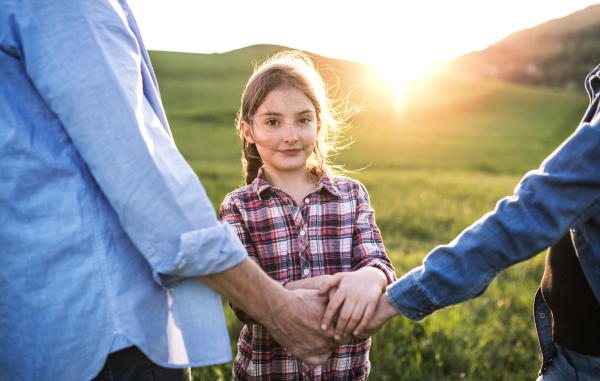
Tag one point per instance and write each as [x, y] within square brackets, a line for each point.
[431, 171]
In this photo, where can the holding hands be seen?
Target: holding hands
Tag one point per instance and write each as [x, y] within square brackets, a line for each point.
[353, 301]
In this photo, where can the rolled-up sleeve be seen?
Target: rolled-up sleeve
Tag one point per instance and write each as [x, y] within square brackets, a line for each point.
[85, 62]
[367, 244]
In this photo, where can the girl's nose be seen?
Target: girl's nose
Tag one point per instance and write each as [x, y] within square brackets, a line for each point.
[290, 133]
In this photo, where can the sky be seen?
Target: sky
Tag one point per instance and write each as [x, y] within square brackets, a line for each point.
[401, 37]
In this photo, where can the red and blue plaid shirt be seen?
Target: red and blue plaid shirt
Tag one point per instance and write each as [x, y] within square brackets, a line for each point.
[332, 231]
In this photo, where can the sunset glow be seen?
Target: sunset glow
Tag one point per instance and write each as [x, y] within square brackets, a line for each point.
[402, 38]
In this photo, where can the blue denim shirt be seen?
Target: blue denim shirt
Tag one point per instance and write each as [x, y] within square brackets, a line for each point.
[562, 195]
[102, 222]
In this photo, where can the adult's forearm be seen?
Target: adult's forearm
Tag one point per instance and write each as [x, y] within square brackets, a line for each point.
[247, 287]
[292, 317]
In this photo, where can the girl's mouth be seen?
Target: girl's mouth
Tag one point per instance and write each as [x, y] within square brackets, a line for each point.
[290, 152]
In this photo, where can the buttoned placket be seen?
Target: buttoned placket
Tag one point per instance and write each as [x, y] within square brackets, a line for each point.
[301, 218]
[304, 217]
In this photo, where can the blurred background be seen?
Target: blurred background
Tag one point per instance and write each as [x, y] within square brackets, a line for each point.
[462, 99]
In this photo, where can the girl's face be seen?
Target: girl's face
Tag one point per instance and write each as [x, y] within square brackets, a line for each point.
[284, 129]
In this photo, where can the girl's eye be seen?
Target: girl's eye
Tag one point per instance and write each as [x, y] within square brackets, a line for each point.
[272, 122]
[304, 120]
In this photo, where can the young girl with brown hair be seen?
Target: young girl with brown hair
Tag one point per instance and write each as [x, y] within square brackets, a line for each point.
[299, 220]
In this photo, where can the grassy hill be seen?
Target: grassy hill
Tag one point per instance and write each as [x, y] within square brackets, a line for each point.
[557, 53]
[431, 171]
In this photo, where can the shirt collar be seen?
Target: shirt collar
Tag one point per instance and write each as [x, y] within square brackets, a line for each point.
[260, 184]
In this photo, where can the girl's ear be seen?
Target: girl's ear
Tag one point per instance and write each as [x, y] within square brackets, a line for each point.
[246, 131]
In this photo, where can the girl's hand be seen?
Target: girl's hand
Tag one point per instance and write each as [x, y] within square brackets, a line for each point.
[384, 312]
[354, 302]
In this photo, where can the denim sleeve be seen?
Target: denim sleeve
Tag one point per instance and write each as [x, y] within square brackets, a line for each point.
[562, 194]
[85, 61]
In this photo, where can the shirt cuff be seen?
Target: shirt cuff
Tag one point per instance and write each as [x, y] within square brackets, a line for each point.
[202, 252]
[409, 298]
[385, 267]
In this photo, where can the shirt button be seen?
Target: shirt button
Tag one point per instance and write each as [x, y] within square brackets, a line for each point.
[420, 314]
[542, 315]
[307, 200]
[302, 232]
[306, 271]
[126, 13]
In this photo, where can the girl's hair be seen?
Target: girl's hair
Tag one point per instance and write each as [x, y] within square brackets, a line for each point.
[295, 69]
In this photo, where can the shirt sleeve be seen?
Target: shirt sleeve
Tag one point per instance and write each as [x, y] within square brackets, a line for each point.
[85, 62]
[561, 195]
[367, 245]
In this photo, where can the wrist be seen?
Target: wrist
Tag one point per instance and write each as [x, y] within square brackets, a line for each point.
[387, 308]
[275, 300]
[377, 276]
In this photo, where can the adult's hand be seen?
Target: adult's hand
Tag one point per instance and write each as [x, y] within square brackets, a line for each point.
[292, 317]
[295, 324]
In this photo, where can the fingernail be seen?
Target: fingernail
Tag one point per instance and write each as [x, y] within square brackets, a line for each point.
[345, 334]
[324, 327]
[320, 288]
[337, 337]
[355, 333]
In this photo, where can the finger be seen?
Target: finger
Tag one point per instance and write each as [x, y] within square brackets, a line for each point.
[328, 283]
[332, 307]
[345, 315]
[355, 318]
[331, 292]
[331, 328]
[366, 318]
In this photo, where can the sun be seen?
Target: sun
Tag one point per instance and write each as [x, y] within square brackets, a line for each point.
[400, 73]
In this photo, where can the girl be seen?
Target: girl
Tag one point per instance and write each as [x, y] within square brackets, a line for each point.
[300, 221]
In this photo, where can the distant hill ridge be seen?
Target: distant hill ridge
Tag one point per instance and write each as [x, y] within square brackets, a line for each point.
[557, 53]
[331, 69]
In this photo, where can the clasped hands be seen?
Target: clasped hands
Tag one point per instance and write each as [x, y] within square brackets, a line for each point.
[310, 316]
[345, 306]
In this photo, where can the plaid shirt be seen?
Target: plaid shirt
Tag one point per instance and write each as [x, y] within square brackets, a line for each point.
[332, 231]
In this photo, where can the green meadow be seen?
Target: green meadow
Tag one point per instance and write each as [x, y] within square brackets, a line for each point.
[432, 168]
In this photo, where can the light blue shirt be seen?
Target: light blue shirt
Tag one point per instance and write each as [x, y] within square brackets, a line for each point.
[102, 221]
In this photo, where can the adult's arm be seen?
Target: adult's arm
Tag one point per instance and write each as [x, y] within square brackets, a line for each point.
[86, 63]
[292, 317]
[561, 195]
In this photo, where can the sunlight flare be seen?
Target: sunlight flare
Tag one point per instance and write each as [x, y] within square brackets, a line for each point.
[400, 73]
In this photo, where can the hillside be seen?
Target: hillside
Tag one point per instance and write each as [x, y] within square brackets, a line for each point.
[558, 53]
[237, 66]
[491, 122]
